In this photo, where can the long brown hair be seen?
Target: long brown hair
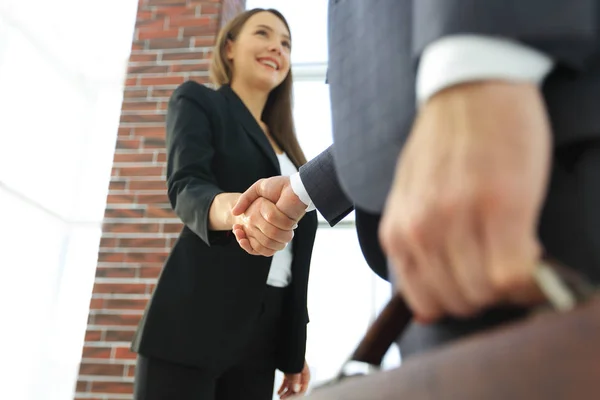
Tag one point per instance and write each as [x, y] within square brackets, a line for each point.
[277, 114]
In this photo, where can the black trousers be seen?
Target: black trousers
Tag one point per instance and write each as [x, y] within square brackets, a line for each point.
[252, 378]
[569, 230]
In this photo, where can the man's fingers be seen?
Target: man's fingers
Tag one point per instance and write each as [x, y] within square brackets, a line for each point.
[275, 217]
[513, 255]
[247, 198]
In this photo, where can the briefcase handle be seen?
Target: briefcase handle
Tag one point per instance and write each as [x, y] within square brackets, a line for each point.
[563, 287]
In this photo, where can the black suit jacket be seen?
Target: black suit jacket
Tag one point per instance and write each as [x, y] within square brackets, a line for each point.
[209, 292]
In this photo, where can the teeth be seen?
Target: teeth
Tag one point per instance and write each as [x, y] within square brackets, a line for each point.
[269, 63]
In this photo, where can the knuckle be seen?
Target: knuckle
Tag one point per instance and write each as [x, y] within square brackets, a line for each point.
[504, 282]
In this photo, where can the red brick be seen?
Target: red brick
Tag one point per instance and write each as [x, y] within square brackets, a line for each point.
[128, 143]
[117, 319]
[153, 143]
[96, 352]
[144, 34]
[125, 304]
[124, 213]
[133, 157]
[81, 386]
[166, 2]
[93, 335]
[143, 118]
[164, 80]
[147, 69]
[102, 272]
[208, 9]
[153, 211]
[155, 44]
[190, 67]
[131, 81]
[149, 257]
[108, 242]
[112, 387]
[161, 157]
[120, 199]
[120, 335]
[150, 272]
[142, 57]
[152, 198]
[206, 41]
[142, 243]
[188, 55]
[171, 228]
[123, 353]
[130, 288]
[130, 93]
[104, 256]
[186, 21]
[141, 171]
[102, 369]
[147, 105]
[147, 185]
[117, 185]
[128, 227]
[161, 93]
[154, 132]
[175, 11]
[202, 30]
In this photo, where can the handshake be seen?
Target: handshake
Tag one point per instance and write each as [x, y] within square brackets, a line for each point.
[266, 215]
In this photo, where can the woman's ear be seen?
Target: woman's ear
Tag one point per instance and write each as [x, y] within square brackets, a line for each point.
[229, 49]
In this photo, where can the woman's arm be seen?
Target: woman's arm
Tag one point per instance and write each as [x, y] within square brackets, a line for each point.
[193, 191]
[219, 216]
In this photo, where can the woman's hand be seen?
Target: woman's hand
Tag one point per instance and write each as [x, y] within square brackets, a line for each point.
[295, 384]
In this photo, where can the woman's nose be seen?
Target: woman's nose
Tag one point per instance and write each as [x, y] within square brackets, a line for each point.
[275, 47]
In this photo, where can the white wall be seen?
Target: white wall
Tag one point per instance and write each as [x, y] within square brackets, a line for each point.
[62, 66]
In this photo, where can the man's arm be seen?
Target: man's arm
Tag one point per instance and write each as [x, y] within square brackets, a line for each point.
[320, 180]
[567, 31]
[483, 125]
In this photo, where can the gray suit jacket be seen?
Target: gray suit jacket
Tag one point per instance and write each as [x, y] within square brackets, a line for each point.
[374, 47]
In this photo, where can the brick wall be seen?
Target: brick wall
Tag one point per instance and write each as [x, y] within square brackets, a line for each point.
[172, 44]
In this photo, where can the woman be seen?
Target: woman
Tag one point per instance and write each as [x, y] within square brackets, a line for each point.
[221, 321]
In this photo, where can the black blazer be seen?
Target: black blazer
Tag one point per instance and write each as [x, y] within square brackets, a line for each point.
[209, 292]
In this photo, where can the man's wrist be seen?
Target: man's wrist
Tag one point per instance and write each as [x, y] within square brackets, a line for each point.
[458, 59]
[299, 190]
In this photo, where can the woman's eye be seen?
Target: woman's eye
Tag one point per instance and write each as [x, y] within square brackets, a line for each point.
[261, 32]
[287, 44]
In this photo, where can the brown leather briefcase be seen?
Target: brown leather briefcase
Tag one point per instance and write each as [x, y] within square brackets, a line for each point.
[553, 354]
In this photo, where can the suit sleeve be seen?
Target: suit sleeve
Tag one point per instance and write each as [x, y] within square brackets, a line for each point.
[567, 31]
[191, 182]
[320, 180]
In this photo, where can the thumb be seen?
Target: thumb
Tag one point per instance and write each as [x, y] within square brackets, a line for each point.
[247, 198]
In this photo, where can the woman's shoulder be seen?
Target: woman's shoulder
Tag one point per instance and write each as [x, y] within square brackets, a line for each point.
[201, 94]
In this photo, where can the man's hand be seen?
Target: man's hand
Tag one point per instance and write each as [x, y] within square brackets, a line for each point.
[266, 229]
[460, 221]
[276, 190]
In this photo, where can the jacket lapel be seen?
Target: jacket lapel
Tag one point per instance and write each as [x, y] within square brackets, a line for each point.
[250, 125]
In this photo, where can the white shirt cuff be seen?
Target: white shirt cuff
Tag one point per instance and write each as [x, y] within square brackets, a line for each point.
[466, 58]
[300, 191]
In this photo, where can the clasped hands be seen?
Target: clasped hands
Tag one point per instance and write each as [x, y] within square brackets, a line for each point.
[459, 225]
[266, 216]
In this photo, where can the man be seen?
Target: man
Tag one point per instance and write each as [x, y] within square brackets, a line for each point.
[480, 160]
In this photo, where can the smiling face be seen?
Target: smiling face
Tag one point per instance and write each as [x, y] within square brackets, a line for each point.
[260, 54]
